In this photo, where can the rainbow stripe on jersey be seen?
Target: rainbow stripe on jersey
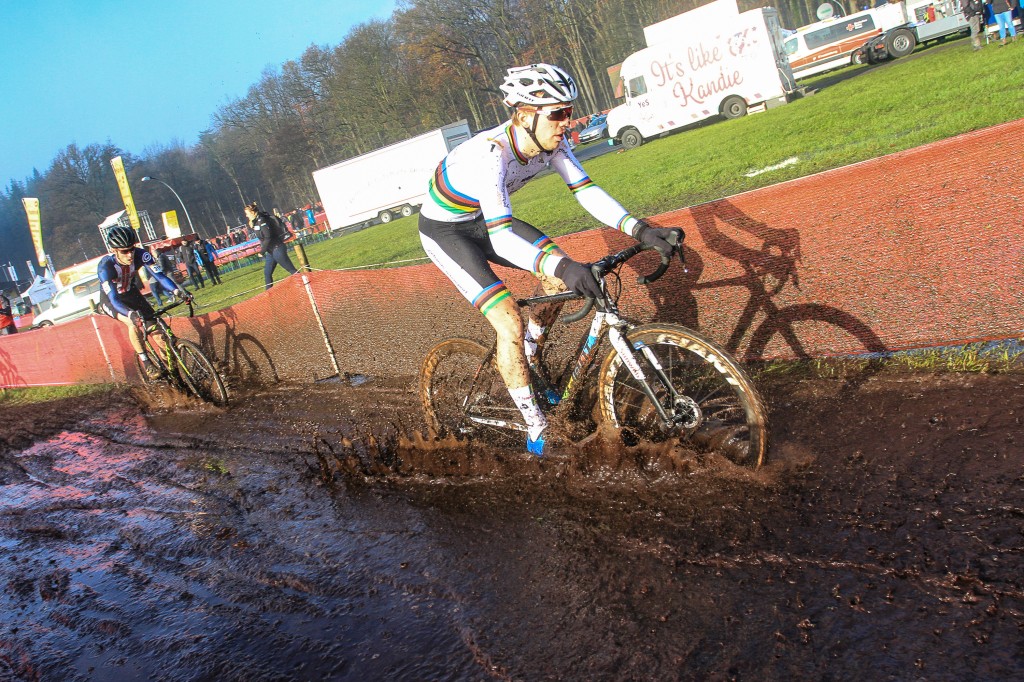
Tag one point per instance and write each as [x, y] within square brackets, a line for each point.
[545, 257]
[446, 196]
[585, 183]
[490, 297]
[520, 157]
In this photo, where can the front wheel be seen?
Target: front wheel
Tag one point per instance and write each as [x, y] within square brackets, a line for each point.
[631, 138]
[406, 211]
[715, 406]
[463, 394]
[199, 374]
[385, 216]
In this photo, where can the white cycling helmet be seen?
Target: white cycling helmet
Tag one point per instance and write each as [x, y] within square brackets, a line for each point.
[538, 85]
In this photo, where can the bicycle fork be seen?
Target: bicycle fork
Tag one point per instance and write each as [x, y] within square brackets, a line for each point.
[685, 411]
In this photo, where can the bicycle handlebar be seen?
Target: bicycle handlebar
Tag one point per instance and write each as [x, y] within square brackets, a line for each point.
[163, 309]
[609, 263]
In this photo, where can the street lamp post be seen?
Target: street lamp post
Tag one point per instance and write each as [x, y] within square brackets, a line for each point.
[187, 217]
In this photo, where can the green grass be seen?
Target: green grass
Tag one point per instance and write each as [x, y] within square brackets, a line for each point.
[939, 92]
[972, 358]
[10, 397]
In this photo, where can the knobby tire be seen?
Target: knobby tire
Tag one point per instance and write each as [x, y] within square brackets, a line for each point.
[458, 379]
[199, 375]
[732, 418]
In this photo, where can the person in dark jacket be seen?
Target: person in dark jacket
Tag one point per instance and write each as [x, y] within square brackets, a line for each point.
[272, 235]
[187, 256]
[974, 10]
[207, 255]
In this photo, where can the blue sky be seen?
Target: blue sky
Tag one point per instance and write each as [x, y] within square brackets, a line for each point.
[143, 73]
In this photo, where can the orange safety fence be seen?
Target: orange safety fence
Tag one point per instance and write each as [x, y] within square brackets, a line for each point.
[919, 248]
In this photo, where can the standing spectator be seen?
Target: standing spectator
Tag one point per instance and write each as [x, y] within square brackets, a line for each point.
[1003, 12]
[152, 282]
[272, 235]
[7, 325]
[296, 218]
[310, 217]
[209, 255]
[974, 10]
[167, 266]
[187, 256]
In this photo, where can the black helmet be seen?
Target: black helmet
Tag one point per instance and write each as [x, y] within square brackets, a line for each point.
[121, 237]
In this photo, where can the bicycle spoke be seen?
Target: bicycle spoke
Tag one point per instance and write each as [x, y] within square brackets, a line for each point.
[711, 404]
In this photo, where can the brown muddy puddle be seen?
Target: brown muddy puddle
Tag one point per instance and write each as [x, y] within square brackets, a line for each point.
[298, 536]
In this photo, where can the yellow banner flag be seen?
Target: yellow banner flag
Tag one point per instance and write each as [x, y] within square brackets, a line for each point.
[171, 227]
[126, 192]
[35, 227]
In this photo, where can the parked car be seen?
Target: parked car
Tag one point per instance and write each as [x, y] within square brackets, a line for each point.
[595, 130]
[72, 302]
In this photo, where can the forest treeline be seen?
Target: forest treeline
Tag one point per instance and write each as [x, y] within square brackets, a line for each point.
[431, 63]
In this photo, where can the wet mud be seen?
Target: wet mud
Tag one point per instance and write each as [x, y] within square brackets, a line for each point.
[307, 533]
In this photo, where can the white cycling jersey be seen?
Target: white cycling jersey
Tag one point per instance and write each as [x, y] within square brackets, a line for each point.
[478, 177]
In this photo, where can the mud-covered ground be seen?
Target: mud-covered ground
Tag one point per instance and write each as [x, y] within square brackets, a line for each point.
[296, 536]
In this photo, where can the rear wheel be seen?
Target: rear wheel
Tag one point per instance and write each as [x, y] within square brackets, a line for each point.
[463, 394]
[733, 106]
[385, 216]
[406, 211]
[900, 43]
[716, 407]
[199, 374]
[631, 138]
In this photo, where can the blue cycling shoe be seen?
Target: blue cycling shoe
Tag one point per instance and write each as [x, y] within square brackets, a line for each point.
[552, 397]
[535, 447]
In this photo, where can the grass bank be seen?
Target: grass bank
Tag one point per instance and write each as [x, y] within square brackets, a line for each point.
[858, 113]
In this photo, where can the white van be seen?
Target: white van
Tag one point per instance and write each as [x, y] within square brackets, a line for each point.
[70, 303]
[835, 42]
[724, 69]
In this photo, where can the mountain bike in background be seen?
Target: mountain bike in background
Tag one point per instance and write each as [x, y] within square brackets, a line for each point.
[182, 363]
[656, 383]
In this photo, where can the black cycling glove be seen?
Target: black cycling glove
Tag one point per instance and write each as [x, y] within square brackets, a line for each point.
[579, 278]
[664, 239]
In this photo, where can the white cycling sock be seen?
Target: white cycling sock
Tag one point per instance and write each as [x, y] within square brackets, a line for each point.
[143, 357]
[533, 332]
[527, 404]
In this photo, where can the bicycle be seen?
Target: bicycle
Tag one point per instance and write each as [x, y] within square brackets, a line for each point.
[181, 362]
[657, 381]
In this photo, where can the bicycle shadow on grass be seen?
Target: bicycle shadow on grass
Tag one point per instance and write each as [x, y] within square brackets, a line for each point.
[766, 326]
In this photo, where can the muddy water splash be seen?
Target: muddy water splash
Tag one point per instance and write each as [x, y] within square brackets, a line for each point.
[309, 533]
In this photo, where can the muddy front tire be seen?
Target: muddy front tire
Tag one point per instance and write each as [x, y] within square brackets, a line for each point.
[718, 408]
[198, 374]
[463, 394]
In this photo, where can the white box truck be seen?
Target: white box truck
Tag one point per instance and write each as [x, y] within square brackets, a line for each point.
[386, 182]
[711, 64]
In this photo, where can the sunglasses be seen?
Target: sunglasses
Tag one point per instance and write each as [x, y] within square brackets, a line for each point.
[556, 115]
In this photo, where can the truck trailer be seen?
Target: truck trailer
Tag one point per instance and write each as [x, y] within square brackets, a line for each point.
[711, 64]
[387, 182]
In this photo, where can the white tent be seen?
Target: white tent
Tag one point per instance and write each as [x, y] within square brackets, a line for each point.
[41, 290]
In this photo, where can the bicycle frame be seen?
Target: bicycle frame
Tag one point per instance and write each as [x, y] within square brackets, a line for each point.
[606, 322]
[171, 359]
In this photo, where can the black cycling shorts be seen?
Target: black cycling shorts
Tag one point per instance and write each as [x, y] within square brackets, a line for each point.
[463, 252]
